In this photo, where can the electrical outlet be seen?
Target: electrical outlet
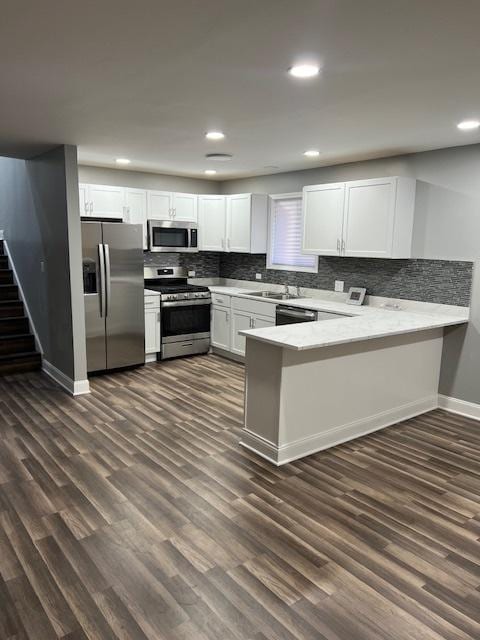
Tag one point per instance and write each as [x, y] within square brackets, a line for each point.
[191, 274]
[258, 276]
[339, 285]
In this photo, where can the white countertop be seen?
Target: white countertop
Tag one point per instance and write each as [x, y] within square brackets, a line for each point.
[150, 292]
[366, 323]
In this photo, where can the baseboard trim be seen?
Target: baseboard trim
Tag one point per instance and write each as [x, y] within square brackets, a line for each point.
[338, 435]
[73, 387]
[461, 407]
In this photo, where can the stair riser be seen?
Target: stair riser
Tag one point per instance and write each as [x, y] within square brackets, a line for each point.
[6, 277]
[20, 366]
[12, 310]
[11, 326]
[9, 293]
[1, 248]
[16, 345]
[3, 262]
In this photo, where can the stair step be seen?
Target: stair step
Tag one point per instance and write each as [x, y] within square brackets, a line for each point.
[20, 362]
[1, 248]
[6, 276]
[8, 292]
[3, 262]
[11, 309]
[19, 343]
[14, 326]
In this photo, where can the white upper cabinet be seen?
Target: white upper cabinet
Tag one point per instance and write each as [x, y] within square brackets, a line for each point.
[159, 205]
[136, 210]
[212, 221]
[323, 207]
[106, 201]
[247, 223]
[365, 218]
[184, 206]
[164, 205]
[83, 199]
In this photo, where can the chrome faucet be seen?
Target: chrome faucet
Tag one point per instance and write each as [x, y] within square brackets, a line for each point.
[299, 295]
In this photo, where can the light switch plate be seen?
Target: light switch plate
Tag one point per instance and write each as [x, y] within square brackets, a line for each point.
[191, 274]
[339, 286]
[258, 276]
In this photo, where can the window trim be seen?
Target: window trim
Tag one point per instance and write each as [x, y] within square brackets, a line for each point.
[270, 264]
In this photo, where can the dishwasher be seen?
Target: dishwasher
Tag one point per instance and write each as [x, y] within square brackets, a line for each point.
[293, 315]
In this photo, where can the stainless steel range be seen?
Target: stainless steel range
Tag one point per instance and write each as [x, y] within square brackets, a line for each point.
[184, 311]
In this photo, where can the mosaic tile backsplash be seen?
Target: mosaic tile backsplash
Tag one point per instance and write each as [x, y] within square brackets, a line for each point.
[438, 281]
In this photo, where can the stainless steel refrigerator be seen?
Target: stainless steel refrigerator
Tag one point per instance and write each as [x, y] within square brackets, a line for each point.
[114, 294]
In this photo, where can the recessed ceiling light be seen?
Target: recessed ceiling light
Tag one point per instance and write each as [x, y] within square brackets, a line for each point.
[122, 161]
[304, 70]
[210, 172]
[311, 153]
[215, 135]
[468, 125]
[219, 157]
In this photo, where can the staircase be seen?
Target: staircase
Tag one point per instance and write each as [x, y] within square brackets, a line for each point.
[17, 344]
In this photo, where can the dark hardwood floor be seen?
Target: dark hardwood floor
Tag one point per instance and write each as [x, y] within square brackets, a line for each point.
[133, 513]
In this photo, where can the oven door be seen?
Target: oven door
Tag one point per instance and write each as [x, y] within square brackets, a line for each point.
[172, 237]
[185, 320]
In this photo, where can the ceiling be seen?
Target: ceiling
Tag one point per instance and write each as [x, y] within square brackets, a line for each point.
[146, 79]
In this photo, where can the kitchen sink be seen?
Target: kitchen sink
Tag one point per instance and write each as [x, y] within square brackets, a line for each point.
[271, 295]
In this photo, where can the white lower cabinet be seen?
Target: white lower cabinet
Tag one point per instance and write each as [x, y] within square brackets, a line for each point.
[152, 325]
[220, 331]
[230, 315]
[241, 320]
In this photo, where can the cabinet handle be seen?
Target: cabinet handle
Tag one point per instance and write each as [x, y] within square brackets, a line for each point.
[175, 213]
[338, 245]
[227, 317]
[343, 246]
[85, 206]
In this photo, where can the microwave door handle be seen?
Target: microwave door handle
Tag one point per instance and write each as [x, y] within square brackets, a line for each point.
[108, 284]
[101, 262]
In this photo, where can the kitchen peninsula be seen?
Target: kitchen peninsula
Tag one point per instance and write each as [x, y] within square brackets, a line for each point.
[315, 385]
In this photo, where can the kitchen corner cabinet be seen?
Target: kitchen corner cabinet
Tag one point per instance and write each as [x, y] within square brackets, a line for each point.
[164, 205]
[236, 223]
[363, 218]
[106, 201]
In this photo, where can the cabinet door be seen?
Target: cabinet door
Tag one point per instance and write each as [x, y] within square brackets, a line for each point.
[106, 202]
[136, 210]
[212, 222]
[221, 328]
[259, 322]
[152, 331]
[239, 223]
[83, 200]
[185, 206]
[323, 207]
[240, 322]
[159, 205]
[369, 218]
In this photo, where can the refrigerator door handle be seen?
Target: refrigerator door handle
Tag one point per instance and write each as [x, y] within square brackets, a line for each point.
[106, 250]
[101, 262]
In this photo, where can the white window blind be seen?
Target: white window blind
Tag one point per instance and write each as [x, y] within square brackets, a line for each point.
[286, 236]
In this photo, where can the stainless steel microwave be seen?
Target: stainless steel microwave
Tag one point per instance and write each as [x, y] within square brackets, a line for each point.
[171, 236]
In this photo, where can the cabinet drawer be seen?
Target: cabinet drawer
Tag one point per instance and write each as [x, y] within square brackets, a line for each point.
[221, 300]
[254, 307]
[152, 302]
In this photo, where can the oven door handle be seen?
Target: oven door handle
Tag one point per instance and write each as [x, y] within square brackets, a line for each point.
[186, 303]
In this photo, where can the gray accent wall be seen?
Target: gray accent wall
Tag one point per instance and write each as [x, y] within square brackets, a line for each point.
[40, 218]
[145, 180]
